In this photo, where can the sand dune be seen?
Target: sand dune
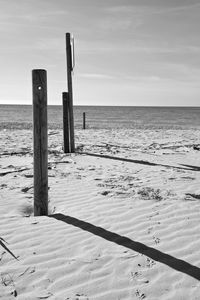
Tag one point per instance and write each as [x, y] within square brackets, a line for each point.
[125, 228]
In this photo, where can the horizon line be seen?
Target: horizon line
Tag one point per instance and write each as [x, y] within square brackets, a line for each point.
[170, 106]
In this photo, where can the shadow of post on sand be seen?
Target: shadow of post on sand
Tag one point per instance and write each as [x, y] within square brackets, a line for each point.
[142, 162]
[171, 261]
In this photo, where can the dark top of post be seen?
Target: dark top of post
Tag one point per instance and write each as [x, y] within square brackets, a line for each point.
[69, 51]
[39, 78]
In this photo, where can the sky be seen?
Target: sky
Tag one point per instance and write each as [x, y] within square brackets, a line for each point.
[127, 52]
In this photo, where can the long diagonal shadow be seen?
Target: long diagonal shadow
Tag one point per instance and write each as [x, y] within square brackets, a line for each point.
[193, 168]
[142, 162]
[171, 261]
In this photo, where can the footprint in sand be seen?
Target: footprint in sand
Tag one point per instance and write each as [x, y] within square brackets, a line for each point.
[140, 295]
[156, 240]
[150, 263]
[149, 230]
[137, 276]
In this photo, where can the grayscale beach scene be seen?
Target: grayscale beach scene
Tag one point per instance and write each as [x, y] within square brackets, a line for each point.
[100, 150]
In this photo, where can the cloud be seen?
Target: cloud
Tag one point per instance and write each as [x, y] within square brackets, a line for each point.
[114, 24]
[56, 44]
[160, 7]
[95, 76]
[136, 46]
[143, 78]
[176, 9]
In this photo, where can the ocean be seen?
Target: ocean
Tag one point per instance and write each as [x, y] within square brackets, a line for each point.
[106, 117]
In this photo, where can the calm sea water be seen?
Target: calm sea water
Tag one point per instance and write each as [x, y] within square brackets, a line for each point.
[20, 116]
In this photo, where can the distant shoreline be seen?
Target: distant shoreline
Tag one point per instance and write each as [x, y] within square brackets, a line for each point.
[87, 105]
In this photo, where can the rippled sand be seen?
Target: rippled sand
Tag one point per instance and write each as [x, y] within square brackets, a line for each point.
[123, 222]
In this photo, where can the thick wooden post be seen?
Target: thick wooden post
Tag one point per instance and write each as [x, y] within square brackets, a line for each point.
[40, 147]
[70, 91]
[84, 120]
[65, 98]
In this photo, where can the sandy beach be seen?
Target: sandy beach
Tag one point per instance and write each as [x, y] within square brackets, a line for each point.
[123, 218]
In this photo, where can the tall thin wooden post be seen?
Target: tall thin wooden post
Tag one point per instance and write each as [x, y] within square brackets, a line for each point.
[84, 120]
[65, 98]
[40, 147]
[70, 91]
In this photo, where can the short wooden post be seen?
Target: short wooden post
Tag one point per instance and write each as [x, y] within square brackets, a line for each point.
[65, 98]
[40, 147]
[70, 91]
[84, 120]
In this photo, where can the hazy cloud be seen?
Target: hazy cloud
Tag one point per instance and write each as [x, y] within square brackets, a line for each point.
[137, 44]
[95, 76]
